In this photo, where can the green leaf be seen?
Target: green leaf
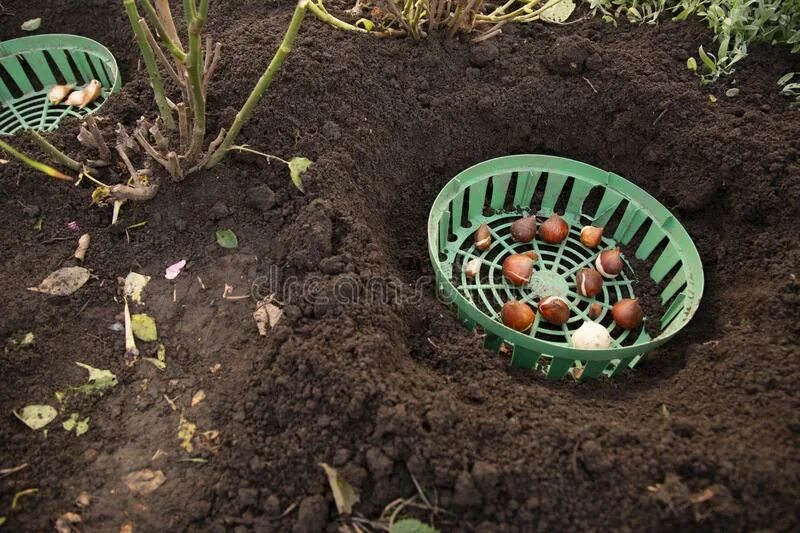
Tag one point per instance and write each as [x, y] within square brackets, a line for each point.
[786, 77]
[36, 416]
[691, 64]
[344, 494]
[712, 98]
[710, 64]
[411, 525]
[144, 327]
[82, 427]
[69, 423]
[73, 422]
[298, 165]
[2, 520]
[99, 380]
[32, 24]
[160, 360]
[366, 24]
[227, 239]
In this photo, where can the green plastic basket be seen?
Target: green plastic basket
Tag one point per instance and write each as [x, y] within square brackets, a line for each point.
[499, 191]
[31, 66]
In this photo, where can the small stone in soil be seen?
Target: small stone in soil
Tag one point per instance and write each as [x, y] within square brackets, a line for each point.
[260, 197]
[312, 515]
[218, 211]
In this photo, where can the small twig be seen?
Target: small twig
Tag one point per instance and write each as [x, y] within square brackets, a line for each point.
[211, 151]
[489, 34]
[159, 52]
[8, 471]
[124, 156]
[660, 115]
[97, 135]
[56, 239]
[590, 83]
[212, 67]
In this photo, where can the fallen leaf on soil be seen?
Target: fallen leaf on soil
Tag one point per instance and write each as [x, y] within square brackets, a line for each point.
[266, 315]
[209, 440]
[27, 340]
[297, 166]
[8, 471]
[198, 397]
[99, 380]
[134, 284]
[19, 495]
[31, 25]
[557, 11]
[73, 422]
[144, 481]
[126, 528]
[63, 281]
[186, 430]
[36, 416]
[175, 269]
[160, 360]
[227, 238]
[144, 327]
[83, 499]
[411, 525]
[65, 521]
[344, 495]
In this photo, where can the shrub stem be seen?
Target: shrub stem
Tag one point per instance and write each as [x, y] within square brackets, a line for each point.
[41, 167]
[150, 63]
[263, 83]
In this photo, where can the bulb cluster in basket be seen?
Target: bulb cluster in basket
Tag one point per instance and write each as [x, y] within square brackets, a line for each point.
[518, 269]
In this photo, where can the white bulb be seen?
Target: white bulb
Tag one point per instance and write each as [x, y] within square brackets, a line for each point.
[591, 336]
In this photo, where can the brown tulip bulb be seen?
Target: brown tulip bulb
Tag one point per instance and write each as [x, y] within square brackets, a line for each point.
[524, 229]
[554, 230]
[554, 309]
[517, 315]
[627, 313]
[591, 237]
[517, 268]
[483, 238]
[609, 263]
[595, 310]
[588, 282]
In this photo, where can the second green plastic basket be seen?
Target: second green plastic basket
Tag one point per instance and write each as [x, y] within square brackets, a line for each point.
[32, 65]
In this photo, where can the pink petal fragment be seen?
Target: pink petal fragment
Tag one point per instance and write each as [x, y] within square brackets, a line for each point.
[174, 270]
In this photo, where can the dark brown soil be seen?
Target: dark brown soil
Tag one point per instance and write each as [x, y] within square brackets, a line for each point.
[387, 387]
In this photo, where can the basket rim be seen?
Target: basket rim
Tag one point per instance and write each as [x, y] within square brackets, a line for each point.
[676, 234]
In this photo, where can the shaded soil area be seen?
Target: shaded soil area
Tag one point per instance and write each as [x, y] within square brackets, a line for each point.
[383, 388]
